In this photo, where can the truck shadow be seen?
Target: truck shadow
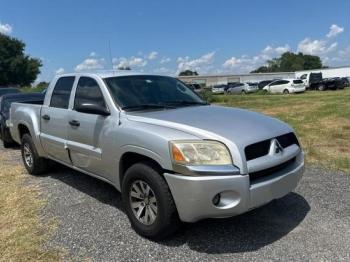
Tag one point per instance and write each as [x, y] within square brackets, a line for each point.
[247, 232]
[244, 233]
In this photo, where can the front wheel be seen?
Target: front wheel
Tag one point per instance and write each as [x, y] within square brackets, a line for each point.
[34, 164]
[148, 202]
[286, 91]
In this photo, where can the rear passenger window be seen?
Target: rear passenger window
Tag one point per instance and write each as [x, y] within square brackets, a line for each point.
[88, 92]
[276, 83]
[297, 82]
[61, 92]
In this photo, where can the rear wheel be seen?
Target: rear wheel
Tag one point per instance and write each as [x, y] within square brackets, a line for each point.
[148, 202]
[34, 164]
[321, 87]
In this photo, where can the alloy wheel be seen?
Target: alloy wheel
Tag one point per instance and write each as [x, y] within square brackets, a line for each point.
[28, 155]
[143, 202]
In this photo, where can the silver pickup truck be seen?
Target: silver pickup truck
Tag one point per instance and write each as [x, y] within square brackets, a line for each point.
[172, 156]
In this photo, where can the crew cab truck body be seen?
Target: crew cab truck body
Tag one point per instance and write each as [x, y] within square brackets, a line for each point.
[317, 82]
[173, 157]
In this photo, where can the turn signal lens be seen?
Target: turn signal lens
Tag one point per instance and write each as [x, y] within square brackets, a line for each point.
[177, 155]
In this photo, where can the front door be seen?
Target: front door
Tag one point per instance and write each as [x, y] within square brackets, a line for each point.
[86, 131]
[53, 120]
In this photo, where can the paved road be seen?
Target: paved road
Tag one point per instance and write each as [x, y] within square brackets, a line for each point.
[313, 223]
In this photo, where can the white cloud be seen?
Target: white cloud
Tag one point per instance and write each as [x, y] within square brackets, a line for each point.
[269, 50]
[345, 53]
[90, 63]
[93, 53]
[59, 71]
[164, 70]
[245, 63]
[129, 62]
[335, 30]
[5, 29]
[165, 60]
[153, 55]
[316, 47]
[202, 64]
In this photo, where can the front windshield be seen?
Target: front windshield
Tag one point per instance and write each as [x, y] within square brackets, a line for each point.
[141, 91]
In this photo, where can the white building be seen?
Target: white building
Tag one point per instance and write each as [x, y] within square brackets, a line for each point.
[212, 80]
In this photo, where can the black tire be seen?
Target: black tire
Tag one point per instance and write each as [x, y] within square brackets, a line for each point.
[321, 87]
[243, 92]
[167, 220]
[5, 142]
[285, 91]
[39, 164]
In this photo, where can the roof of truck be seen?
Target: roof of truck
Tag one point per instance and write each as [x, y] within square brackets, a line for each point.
[109, 73]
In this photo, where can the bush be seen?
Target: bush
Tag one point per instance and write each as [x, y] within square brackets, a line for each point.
[207, 95]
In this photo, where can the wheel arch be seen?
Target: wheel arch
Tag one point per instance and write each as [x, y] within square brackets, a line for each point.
[130, 158]
[22, 129]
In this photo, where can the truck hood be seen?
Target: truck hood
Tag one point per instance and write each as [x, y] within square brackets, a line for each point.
[241, 127]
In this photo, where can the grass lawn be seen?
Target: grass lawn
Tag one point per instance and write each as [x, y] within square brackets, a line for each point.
[22, 234]
[321, 121]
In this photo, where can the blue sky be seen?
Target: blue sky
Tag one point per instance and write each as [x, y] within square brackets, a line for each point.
[169, 36]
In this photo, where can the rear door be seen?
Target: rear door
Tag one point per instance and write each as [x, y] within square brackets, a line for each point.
[274, 86]
[87, 130]
[285, 84]
[54, 120]
[278, 86]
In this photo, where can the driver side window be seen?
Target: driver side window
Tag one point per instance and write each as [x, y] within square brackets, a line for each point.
[88, 92]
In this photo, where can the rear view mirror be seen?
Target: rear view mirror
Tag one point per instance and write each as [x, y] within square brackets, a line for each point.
[94, 109]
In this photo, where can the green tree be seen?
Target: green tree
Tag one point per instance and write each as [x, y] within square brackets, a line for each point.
[290, 62]
[188, 73]
[42, 85]
[16, 68]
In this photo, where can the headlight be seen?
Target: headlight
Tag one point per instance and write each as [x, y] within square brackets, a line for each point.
[200, 153]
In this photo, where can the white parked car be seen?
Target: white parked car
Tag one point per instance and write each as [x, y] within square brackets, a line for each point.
[219, 89]
[242, 88]
[286, 86]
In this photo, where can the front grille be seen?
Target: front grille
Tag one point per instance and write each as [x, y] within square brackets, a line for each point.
[287, 140]
[262, 148]
[257, 150]
[270, 171]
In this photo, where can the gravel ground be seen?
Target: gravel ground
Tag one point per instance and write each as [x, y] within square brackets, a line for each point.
[310, 224]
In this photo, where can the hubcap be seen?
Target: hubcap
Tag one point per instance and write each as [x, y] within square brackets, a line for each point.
[143, 202]
[28, 156]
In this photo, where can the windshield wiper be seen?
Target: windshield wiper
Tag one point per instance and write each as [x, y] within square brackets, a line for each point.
[185, 103]
[145, 107]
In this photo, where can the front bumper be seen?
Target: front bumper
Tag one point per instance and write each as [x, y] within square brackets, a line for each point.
[193, 195]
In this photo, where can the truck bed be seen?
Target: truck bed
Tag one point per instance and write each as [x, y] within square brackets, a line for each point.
[25, 113]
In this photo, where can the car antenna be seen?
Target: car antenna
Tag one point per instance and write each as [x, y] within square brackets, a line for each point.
[110, 53]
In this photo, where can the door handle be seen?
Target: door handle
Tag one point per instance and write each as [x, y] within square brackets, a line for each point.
[46, 117]
[74, 123]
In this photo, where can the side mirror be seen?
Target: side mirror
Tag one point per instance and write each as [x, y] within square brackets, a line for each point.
[94, 109]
